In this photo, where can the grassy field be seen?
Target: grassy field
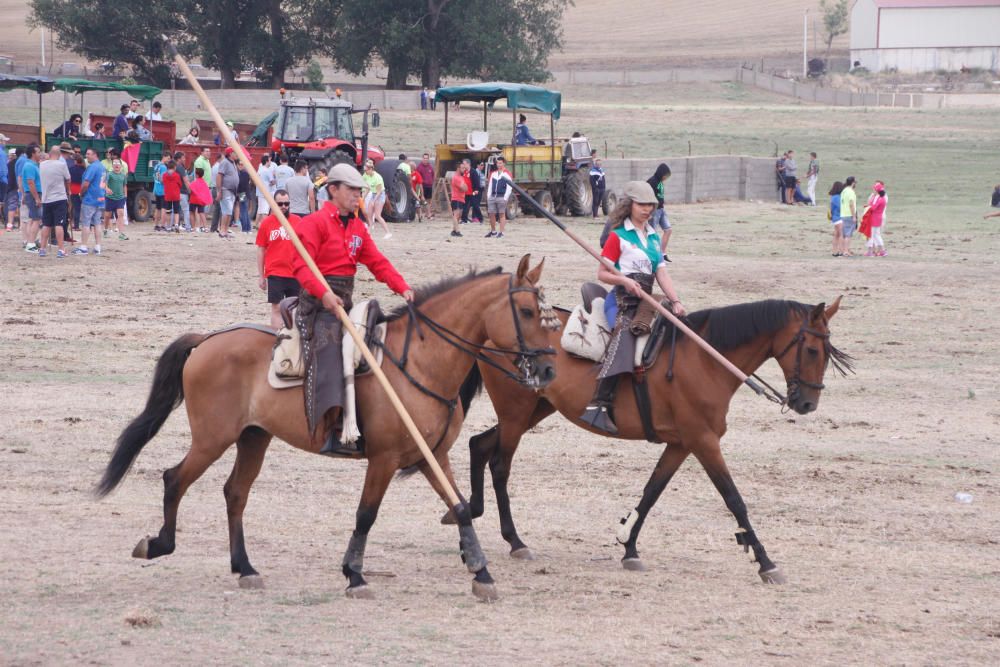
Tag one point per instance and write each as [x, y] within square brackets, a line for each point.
[597, 33]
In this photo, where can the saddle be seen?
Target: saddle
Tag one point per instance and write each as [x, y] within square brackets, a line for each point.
[287, 367]
[587, 332]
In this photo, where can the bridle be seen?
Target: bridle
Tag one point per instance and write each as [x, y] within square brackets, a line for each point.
[796, 381]
[525, 358]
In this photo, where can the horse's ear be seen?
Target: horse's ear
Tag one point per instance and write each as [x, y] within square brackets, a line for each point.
[522, 267]
[817, 312]
[535, 274]
[834, 307]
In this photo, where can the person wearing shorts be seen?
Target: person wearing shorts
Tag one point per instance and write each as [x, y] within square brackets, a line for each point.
[116, 194]
[459, 191]
[172, 184]
[274, 257]
[92, 203]
[158, 172]
[498, 192]
[31, 197]
[55, 178]
[834, 215]
[660, 220]
[848, 215]
[227, 180]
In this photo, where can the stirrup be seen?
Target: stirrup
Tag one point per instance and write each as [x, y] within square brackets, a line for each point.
[334, 447]
[599, 417]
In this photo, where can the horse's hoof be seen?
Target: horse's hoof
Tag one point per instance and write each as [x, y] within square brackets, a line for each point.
[485, 592]
[142, 549]
[524, 553]
[448, 519]
[774, 576]
[362, 592]
[633, 564]
[252, 582]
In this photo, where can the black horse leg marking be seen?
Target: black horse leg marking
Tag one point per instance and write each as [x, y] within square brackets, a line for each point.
[481, 448]
[670, 461]
[163, 544]
[500, 471]
[354, 558]
[250, 450]
[745, 537]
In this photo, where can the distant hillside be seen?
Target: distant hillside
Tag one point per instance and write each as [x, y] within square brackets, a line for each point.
[600, 33]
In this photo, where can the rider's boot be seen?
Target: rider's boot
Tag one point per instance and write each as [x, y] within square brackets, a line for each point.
[598, 412]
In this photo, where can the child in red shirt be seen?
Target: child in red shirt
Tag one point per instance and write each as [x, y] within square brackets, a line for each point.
[172, 194]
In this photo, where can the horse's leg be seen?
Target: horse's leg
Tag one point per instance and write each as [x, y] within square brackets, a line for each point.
[628, 534]
[710, 456]
[250, 450]
[176, 481]
[468, 543]
[377, 478]
[481, 448]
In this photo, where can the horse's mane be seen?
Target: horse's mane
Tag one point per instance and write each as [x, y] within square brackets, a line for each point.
[729, 327]
[424, 292]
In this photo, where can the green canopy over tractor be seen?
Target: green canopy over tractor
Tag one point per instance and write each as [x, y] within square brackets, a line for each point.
[80, 86]
[39, 84]
[517, 95]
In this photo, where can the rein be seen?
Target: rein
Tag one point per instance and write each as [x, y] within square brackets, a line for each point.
[793, 385]
[525, 356]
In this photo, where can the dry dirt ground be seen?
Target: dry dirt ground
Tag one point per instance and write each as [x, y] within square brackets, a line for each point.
[855, 502]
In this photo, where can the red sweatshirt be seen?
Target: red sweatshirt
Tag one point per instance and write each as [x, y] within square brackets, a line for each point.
[338, 249]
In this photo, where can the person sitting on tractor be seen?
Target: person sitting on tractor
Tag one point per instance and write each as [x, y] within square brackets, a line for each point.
[522, 135]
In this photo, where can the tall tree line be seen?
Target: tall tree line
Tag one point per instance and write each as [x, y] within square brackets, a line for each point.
[429, 39]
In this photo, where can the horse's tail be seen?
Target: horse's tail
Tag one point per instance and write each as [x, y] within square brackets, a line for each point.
[472, 386]
[165, 395]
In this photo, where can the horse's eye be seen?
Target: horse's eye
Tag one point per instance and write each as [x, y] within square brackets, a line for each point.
[527, 313]
[813, 352]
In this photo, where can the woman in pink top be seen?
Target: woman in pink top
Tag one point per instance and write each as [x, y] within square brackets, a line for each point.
[876, 206]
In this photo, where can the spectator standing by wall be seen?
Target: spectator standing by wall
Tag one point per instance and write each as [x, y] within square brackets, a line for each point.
[54, 176]
[598, 183]
[274, 257]
[660, 219]
[779, 173]
[812, 176]
[791, 171]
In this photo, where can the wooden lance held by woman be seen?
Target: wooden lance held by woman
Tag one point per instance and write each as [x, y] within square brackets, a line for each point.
[702, 343]
[263, 191]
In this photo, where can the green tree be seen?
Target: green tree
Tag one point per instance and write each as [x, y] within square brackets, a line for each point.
[483, 39]
[836, 21]
[86, 27]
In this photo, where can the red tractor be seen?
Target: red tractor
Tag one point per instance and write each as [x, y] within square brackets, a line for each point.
[321, 132]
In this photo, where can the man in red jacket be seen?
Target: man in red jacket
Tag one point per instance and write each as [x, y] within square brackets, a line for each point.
[337, 239]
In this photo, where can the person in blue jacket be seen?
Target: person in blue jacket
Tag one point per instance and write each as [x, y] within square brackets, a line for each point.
[522, 135]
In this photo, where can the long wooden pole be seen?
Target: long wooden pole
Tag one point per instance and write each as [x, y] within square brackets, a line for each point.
[701, 342]
[341, 313]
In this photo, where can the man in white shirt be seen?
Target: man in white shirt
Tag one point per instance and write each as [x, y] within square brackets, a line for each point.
[157, 112]
[266, 173]
[498, 193]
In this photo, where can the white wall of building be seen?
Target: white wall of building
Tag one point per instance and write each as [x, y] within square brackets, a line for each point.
[920, 39]
[946, 27]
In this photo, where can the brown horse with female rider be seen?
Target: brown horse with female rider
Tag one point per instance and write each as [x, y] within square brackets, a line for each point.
[688, 390]
[222, 378]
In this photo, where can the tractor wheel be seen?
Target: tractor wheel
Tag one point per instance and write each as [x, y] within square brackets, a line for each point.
[545, 200]
[142, 207]
[609, 202]
[334, 158]
[513, 207]
[400, 204]
[576, 186]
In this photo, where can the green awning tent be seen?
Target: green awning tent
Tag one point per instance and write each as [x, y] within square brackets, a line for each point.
[517, 95]
[80, 86]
